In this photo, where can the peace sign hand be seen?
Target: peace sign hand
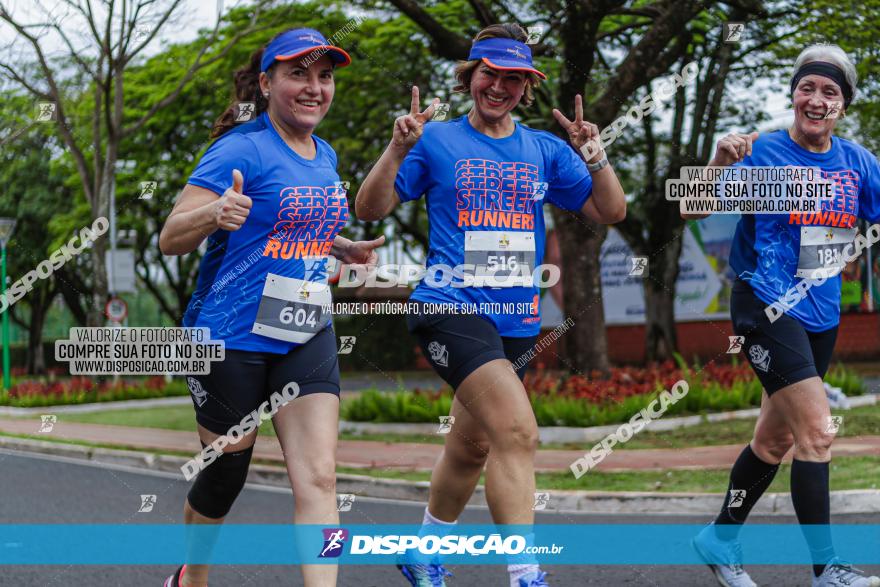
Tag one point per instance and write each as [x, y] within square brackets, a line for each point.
[581, 132]
[408, 128]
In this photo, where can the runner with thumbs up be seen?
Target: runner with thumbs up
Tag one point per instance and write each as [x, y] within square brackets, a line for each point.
[233, 207]
[267, 197]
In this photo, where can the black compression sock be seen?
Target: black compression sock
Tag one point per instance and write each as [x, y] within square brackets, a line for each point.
[812, 504]
[749, 479]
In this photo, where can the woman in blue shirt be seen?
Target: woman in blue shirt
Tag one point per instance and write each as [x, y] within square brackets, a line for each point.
[267, 197]
[485, 179]
[786, 304]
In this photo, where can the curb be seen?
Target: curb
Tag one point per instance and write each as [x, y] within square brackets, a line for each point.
[853, 501]
[566, 434]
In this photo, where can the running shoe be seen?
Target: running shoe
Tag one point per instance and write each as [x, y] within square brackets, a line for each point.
[174, 580]
[840, 574]
[425, 575]
[712, 550]
[535, 579]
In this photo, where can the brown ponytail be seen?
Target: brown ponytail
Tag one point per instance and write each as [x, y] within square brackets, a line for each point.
[246, 82]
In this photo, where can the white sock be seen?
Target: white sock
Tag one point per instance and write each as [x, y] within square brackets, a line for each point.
[429, 519]
[517, 571]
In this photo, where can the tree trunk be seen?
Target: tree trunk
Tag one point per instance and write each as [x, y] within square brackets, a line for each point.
[71, 288]
[659, 284]
[95, 315]
[585, 345]
[580, 239]
[36, 361]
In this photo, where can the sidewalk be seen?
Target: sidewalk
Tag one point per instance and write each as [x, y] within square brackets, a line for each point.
[365, 454]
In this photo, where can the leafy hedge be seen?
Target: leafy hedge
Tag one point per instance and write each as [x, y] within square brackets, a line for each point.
[404, 406]
[578, 401]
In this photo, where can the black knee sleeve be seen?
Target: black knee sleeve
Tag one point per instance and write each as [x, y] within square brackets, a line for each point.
[218, 484]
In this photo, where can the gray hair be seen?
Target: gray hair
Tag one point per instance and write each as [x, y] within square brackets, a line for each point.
[830, 54]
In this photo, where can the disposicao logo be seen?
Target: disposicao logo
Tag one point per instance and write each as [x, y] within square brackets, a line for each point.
[334, 540]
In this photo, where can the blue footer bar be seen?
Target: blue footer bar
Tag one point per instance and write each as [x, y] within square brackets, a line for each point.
[564, 544]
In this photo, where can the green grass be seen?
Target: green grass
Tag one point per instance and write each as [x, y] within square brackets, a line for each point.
[846, 473]
[856, 422]
[167, 418]
[862, 421]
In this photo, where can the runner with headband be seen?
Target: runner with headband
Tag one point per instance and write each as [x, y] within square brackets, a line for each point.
[771, 253]
[267, 197]
[486, 179]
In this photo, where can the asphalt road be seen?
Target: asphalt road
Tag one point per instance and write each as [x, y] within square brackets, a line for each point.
[38, 490]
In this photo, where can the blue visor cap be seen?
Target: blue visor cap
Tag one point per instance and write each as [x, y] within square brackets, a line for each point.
[301, 43]
[505, 54]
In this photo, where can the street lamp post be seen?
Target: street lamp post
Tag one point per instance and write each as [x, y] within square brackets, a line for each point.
[7, 225]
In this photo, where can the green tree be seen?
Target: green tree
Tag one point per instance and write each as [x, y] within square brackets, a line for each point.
[93, 130]
[167, 147]
[35, 194]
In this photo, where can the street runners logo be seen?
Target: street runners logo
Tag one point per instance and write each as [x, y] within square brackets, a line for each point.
[310, 218]
[334, 540]
[841, 211]
[496, 194]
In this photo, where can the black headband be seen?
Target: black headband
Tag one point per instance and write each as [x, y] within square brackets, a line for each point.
[828, 70]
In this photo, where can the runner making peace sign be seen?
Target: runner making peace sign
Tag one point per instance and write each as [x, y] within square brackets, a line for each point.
[485, 179]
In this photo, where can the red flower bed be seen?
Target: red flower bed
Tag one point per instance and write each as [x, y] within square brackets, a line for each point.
[80, 385]
[623, 382]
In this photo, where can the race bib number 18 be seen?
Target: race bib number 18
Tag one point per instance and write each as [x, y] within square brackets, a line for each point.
[821, 253]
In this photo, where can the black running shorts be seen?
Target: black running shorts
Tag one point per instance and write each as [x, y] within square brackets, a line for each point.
[240, 383]
[782, 352]
[456, 345]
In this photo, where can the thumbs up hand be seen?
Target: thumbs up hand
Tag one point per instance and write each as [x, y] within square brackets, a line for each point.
[363, 252]
[734, 148]
[232, 209]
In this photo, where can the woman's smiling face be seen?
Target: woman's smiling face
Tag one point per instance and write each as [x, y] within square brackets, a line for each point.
[496, 92]
[300, 93]
[818, 101]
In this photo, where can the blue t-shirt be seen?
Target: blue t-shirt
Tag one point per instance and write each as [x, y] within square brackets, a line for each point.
[298, 209]
[480, 189]
[766, 247]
